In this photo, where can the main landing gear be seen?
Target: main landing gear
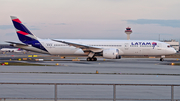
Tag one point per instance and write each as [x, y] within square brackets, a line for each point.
[92, 59]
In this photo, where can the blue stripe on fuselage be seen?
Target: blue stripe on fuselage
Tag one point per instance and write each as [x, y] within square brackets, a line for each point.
[37, 44]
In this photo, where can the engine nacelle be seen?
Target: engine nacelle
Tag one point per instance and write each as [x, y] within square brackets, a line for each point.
[111, 53]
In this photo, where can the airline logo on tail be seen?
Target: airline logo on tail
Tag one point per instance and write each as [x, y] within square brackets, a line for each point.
[25, 35]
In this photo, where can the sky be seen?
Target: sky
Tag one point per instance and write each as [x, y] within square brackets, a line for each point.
[92, 19]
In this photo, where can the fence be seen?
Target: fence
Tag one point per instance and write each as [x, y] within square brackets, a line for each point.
[114, 90]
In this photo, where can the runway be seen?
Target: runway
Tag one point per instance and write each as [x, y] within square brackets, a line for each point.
[124, 71]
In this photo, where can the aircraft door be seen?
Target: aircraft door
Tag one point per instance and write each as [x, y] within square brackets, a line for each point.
[126, 46]
[126, 49]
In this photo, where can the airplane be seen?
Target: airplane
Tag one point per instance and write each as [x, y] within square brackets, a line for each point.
[90, 48]
[10, 50]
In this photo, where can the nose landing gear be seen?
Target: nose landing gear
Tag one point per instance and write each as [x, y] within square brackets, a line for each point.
[162, 58]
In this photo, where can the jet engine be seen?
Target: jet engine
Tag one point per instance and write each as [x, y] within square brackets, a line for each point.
[112, 53]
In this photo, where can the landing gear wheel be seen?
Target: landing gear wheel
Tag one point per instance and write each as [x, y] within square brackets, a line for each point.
[161, 59]
[94, 59]
[88, 59]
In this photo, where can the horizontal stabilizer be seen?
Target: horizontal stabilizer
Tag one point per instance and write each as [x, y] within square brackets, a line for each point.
[16, 43]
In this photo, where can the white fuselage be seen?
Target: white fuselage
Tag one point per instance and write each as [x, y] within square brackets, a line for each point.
[126, 47]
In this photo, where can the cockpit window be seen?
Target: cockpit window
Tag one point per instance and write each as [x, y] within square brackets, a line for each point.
[168, 46]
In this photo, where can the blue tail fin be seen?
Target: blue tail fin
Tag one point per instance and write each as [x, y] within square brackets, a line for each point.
[23, 33]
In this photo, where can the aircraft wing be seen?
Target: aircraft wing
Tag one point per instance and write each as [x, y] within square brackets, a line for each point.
[84, 47]
[16, 43]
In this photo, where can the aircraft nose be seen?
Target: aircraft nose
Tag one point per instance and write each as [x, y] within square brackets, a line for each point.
[173, 51]
[170, 51]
